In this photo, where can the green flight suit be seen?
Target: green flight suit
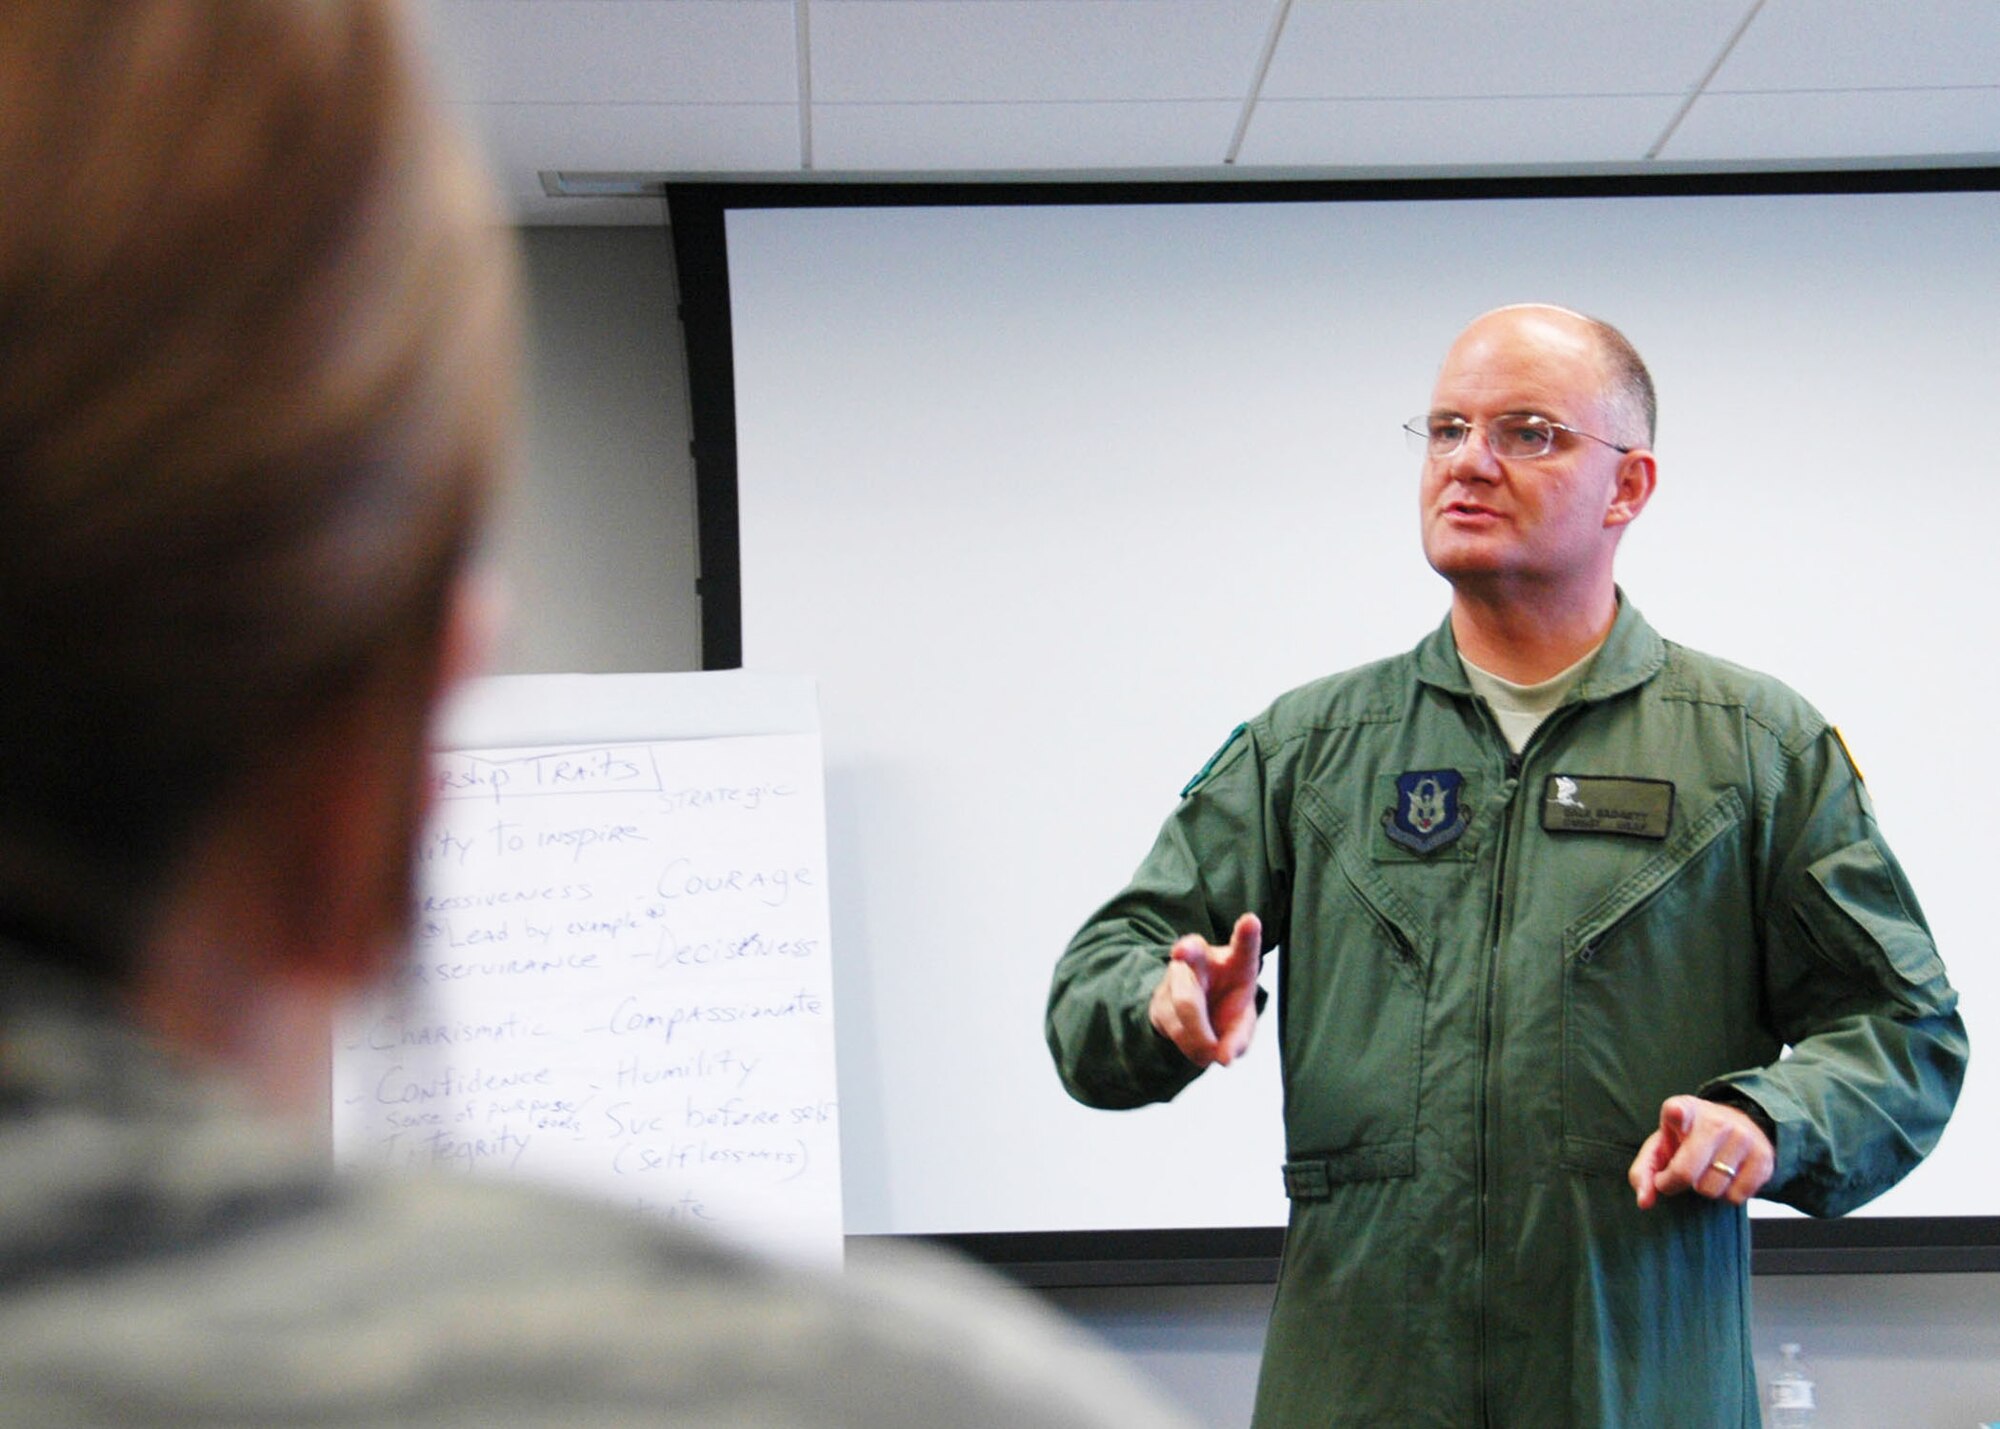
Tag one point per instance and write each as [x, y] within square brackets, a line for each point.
[1484, 998]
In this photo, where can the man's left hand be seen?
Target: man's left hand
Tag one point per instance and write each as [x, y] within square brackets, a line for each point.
[1713, 1150]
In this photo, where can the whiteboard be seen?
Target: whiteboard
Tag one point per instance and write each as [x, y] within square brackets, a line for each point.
[621, 979]
[1049, 498]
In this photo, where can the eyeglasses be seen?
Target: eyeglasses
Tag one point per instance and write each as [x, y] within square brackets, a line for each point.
[1512, 436]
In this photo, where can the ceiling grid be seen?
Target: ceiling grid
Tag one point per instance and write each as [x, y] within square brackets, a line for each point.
[612, 95]
[1666, 136]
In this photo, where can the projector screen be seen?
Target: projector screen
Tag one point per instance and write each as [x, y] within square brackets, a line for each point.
[1049, 496]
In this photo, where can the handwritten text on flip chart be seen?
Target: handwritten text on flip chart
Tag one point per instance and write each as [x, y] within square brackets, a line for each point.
[619, 983]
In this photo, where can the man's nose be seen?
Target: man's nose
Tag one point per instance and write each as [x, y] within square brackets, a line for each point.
[1474, 459]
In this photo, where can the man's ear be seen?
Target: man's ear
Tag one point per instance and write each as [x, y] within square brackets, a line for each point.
[348, 844]
[1638, 472]
[359, 791]
[474, 621]
[298, 892]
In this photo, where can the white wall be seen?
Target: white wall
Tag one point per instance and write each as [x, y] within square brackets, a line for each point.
[596, 539]
[599, 544]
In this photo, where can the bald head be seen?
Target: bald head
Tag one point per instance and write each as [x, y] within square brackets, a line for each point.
[1627, 387]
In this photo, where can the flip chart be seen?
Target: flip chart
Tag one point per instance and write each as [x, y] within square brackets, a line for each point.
[620, 980]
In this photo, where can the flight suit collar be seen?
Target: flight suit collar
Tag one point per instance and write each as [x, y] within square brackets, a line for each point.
[1631, 655]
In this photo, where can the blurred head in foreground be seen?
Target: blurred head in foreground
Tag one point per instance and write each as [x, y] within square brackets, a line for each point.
[256, 338]
[256, 350]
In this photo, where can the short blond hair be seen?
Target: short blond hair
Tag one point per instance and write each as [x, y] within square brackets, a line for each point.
[257, 335]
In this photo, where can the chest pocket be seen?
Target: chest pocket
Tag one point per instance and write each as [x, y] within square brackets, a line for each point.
[1660, 987]
[1354, 982]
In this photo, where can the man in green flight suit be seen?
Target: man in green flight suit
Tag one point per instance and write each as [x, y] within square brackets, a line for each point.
[1555, 896]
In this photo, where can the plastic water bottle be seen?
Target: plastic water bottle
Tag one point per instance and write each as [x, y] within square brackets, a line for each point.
[1791, 1393]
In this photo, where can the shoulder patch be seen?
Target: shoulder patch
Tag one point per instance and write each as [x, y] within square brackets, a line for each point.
[1203, 772]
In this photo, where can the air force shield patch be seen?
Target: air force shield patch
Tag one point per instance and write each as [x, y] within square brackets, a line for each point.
[1429, 812]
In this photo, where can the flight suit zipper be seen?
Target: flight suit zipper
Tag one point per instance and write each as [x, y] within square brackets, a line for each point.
[1481, 1156]
[1496, 938]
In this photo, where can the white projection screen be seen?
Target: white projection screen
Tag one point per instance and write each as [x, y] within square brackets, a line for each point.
[1048, 496]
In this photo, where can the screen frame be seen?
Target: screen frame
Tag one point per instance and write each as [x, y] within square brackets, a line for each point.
[697, 218]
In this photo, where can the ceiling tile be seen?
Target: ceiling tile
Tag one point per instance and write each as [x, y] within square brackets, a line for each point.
[1879, 123]
[632, 51]
[1338, 49]
[1453, 132]
[872, 51]
[524, 139]
[1003, 137]
[1865, 44]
